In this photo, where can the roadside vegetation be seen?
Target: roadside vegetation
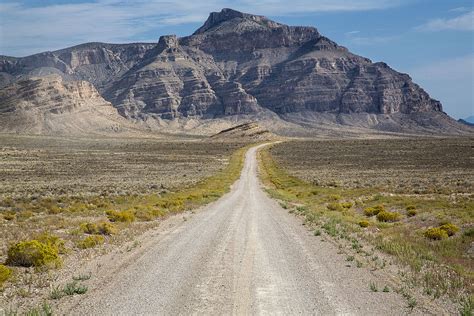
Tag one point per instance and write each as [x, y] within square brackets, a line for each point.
[403, 201]
[41, 229]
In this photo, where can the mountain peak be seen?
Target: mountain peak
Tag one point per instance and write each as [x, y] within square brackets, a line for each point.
[229, 14]
[167, 42]
[226, 14]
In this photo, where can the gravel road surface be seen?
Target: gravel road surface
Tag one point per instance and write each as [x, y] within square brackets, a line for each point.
[242, 254]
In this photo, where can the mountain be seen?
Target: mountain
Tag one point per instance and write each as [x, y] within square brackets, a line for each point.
[243, 67]
[465, 122]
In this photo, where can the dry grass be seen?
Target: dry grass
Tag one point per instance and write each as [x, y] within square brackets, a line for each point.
[419, 166]
[75, 188]
[41, 166]
[399, 189]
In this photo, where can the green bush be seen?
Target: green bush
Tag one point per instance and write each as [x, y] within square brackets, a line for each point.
[411, 213]
[435, 233]
[374, 210]
[449, 228]
[74, 288]
[33, 253]
[120, 216]
[101, 228]
[364, 223]
[90, 241]
[385, 216]
[5, 274]
[410, 207]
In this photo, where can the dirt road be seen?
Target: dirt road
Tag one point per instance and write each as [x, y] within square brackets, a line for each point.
[243, 254]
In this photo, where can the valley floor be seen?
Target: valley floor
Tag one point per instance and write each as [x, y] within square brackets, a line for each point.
[274, 244]
[243, 254]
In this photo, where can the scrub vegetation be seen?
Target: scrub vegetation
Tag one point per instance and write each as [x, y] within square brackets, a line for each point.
[71, 197]
[410, 199]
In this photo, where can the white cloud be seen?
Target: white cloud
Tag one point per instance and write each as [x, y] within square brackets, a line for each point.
[459, 9]
[358, 39]
[371, 40]
[25, 30]
[451, 69]
[464, 22]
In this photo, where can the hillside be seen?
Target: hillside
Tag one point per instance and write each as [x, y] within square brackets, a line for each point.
[50, 105]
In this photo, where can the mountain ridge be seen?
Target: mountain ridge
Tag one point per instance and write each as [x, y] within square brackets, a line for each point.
[235, 64]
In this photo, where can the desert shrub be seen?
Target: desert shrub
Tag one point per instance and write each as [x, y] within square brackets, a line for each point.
[78, 207]
[52, 241]
[101, 228]
[89, 228]
[158, 212]
[347, 205]
[335, 197]
[330, 228]
[41, 310]
[9, 216]
[385, 216]
[171, 203]
[467, 306]
[90, 241]
[5, 274]
[120, 216]
[374, 210]
[469, 232]
[449, 228]
[411, 213]
[435, 233]
[8, 202]
[144, 215]
[301, 209]
[33, 253]
[334, 206]
[410, 207]
[54, 209]
[74, 288]
[364, 223]
[24, 215]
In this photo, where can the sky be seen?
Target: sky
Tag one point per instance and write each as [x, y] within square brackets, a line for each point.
[431, 40]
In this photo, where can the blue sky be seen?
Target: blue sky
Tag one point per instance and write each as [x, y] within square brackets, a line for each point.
[432, 40]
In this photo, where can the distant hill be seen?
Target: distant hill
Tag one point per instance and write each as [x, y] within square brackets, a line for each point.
[467, 121]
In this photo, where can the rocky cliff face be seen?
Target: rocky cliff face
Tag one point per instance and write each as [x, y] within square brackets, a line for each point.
[97, 63]
[235, 64]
